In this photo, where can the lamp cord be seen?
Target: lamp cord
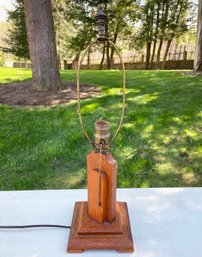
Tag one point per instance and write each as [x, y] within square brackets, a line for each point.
[34, 226]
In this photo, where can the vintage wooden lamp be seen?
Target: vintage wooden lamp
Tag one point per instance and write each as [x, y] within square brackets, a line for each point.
[101, 222]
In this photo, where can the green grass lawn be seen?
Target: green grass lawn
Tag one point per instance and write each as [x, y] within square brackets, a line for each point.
[159, 144]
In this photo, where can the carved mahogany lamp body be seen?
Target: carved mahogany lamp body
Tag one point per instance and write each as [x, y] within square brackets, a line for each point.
[107, 209]
[101, 222]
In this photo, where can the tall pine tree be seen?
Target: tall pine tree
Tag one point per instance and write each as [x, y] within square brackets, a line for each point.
[17, 35]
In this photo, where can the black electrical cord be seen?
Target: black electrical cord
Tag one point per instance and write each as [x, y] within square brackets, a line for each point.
[35, 226]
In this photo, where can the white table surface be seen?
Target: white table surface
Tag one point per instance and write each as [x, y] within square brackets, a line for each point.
[165, 222]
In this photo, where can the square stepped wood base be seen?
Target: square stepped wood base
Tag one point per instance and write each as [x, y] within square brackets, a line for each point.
[86, 233]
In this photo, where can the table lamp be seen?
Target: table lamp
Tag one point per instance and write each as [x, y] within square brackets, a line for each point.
[101, 222]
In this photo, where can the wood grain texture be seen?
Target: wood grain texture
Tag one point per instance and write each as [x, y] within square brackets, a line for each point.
[42, 46]
[107, 239]
[89, 226]
[108, 187]
[99, 213]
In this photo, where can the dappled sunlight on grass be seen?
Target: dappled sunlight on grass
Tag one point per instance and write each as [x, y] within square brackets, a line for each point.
[65, 179]
[143, 99]
[90, 107]
[191, 133]
[165, 167]
[127, 153]
[159, 144]
[146, 132]
[189, 177]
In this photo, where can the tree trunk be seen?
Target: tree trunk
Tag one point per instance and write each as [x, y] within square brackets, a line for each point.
[153, 54]
[176, 20]
[148, 53]
[149, 39]
[112, 48]
[88, 60]
[75, 61]
[59, 63]
[164, 20]
[103, 57]
[198, 52]
[107, 35]
[111, 62]
[166, 53]
[42, 47]
[108, 59]
[155, 34]
[159, 53]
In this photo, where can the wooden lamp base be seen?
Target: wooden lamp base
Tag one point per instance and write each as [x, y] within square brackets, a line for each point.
[86, 233]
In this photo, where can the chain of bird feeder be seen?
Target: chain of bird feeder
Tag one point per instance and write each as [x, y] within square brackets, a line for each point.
[78, 90]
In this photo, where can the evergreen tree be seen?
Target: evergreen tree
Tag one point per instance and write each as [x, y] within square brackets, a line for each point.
[17, 35]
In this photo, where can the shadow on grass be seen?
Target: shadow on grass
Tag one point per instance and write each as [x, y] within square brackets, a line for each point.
[159, 144]
[9, 80]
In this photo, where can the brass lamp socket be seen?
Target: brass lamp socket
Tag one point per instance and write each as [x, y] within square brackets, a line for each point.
[101, 136]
